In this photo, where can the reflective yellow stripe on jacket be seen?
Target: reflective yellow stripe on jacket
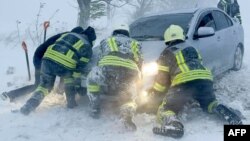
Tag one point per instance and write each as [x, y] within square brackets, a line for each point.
[181, 62]
[43, 90]
[134, 47]
[135, 50]
[117, 61]
[66, 60]
[77, 46]
[76, 75]
[60, 58]
[163, 68]
[112, 44]
[158, 87]
[93, 88]
[191, 75]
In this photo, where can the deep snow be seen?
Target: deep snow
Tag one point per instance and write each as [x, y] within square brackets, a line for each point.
[52, 121]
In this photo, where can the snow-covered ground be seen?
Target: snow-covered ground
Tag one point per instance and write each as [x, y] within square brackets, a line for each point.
[53, 122]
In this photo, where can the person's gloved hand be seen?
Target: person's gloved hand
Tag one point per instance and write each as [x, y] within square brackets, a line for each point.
[152, 93]
[146, 96]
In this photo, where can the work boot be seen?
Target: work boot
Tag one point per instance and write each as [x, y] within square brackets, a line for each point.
[30, 105]
[171, 127]
[95, 105]
[127, 112]
[228, 114]
[95, 113]
[71, 102]
[128, 123]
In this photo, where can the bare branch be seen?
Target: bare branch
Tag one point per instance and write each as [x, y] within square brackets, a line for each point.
[70, 4]
[132, 4]
[54, 14]
[17, 23]
[117, 6]
[37, 20]
[31, 37]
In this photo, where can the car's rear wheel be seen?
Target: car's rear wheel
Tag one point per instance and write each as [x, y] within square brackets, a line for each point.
[238, 58]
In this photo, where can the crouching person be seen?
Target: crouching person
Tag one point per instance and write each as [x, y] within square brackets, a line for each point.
[116, 75]
[183, 77]
[67, 57]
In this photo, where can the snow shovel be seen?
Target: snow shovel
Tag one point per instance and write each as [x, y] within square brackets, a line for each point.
[45, 25]
[24, 46]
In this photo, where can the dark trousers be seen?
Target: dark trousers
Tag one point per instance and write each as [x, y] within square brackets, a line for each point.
[178, 96]
[49, 71]
[114, 81]
[200, 90]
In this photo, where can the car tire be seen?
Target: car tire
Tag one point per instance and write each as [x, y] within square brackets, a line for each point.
[238, 59]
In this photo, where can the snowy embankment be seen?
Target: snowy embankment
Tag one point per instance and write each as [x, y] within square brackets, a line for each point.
[53, 122]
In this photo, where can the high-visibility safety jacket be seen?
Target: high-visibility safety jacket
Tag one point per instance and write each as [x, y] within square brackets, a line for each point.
[41, 49]
[178, 65]
[232, 10]
[120, 50]
[71, 50]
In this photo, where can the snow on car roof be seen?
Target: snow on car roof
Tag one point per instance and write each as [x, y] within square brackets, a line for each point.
[180, 11]
[192, 10]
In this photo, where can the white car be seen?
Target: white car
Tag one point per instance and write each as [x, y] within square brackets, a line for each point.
[218, 37]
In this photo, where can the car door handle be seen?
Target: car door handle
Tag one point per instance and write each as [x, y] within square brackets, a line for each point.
[234, 32]
[218, 38]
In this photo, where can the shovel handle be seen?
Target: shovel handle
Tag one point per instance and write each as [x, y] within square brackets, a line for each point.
[46, 25]
[24, 46]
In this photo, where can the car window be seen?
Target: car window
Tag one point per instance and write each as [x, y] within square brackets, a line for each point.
[155, 26]
[221, 20]
[230, 23]
[206, 21]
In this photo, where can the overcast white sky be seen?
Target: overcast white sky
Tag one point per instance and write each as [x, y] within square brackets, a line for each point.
[26, 11]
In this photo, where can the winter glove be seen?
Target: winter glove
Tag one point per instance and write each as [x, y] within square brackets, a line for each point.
[146, 97]
[152, 93]
[154, 97]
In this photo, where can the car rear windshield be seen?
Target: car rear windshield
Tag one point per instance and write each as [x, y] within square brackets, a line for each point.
[155, 26]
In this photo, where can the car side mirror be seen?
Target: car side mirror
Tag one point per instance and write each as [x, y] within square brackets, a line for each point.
[205, 32]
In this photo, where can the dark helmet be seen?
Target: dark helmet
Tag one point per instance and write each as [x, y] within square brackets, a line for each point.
[78, 30]
[90, 33]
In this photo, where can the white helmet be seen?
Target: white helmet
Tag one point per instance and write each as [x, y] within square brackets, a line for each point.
[121, 27]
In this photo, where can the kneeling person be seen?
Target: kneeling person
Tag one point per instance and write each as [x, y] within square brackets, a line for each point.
[183, 76]
[116, 75]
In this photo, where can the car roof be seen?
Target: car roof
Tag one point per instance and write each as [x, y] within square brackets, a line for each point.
[181, 11]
